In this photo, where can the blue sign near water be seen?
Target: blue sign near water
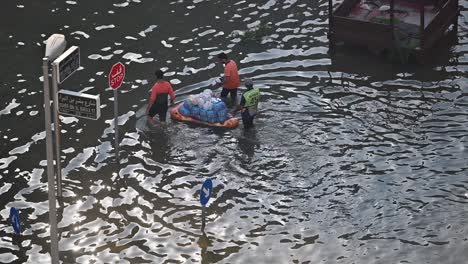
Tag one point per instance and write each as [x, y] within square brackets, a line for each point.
[15, 220]
[205, 192]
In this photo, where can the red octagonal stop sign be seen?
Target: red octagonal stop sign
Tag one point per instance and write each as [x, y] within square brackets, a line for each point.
[116, 75]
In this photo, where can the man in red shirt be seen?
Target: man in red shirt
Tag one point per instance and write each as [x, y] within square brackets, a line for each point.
[231, 80]
[158, 100]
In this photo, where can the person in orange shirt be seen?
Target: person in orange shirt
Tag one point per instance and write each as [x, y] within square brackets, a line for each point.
[230, 81]
[158, 100]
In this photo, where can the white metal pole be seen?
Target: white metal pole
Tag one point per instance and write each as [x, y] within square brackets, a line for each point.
[54, 248]
[116, 124]
[57, 129]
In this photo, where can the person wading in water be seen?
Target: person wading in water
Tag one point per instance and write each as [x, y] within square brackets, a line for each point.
[158, 103]
[249, 104]
[230, 81]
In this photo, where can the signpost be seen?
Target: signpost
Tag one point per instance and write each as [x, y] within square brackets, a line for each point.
[79, 104]
[116, 77]
[15, 220]
[205, 195]
[64, 66]
[55, 45]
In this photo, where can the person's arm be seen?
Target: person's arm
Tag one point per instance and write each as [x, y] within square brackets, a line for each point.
[227, 75]
[240, 106]
[171, 94]
[151, 100]
[227, 78]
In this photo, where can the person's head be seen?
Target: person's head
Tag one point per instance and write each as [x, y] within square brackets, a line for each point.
[159, 74]
[222, 57]
[248, 83]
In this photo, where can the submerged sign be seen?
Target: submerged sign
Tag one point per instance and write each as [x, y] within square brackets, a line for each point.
[79, 104]
[205, 192]
[15, 220]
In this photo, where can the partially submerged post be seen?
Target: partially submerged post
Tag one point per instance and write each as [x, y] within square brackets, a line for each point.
[331, 43]
[116, 77]
[421, 25]
[392, 17]
[62, 68]
[58, 159]
[55, 45]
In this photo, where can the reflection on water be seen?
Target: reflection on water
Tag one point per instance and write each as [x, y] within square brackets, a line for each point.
[350, 161]
[248, 142]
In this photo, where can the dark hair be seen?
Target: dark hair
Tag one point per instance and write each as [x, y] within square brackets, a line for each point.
[222, 56]
[159, 74]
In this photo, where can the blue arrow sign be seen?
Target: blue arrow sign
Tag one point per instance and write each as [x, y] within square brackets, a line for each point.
[205, 192]
[15, 220]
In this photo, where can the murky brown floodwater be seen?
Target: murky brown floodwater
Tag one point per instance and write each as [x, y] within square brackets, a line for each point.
[361, 163]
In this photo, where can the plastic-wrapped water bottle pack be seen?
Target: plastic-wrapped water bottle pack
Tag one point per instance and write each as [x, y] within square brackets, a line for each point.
[205, 107]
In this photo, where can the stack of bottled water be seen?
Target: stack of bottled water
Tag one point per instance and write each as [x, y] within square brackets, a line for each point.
[205, 107]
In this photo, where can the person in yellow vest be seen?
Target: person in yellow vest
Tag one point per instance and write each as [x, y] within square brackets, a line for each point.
[249, 103]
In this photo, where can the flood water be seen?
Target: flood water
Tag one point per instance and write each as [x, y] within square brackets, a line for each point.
[361, 162]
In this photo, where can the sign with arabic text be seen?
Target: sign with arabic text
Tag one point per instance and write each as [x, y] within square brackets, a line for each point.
[67, 63]
[79, 104]
[116, 75]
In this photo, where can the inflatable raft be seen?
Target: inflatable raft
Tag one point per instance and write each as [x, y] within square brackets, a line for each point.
[232, 122]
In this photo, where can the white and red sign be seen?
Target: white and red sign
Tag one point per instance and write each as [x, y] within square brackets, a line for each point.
[116, 75]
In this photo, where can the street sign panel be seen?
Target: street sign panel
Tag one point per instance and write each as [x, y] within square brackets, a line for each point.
[116, 75]
[205, 192]
[67, 63]
[15, 220]
[79, 104]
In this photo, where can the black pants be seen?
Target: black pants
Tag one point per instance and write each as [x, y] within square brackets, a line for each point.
[159, 109]
[233, 93]
[247, 119]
